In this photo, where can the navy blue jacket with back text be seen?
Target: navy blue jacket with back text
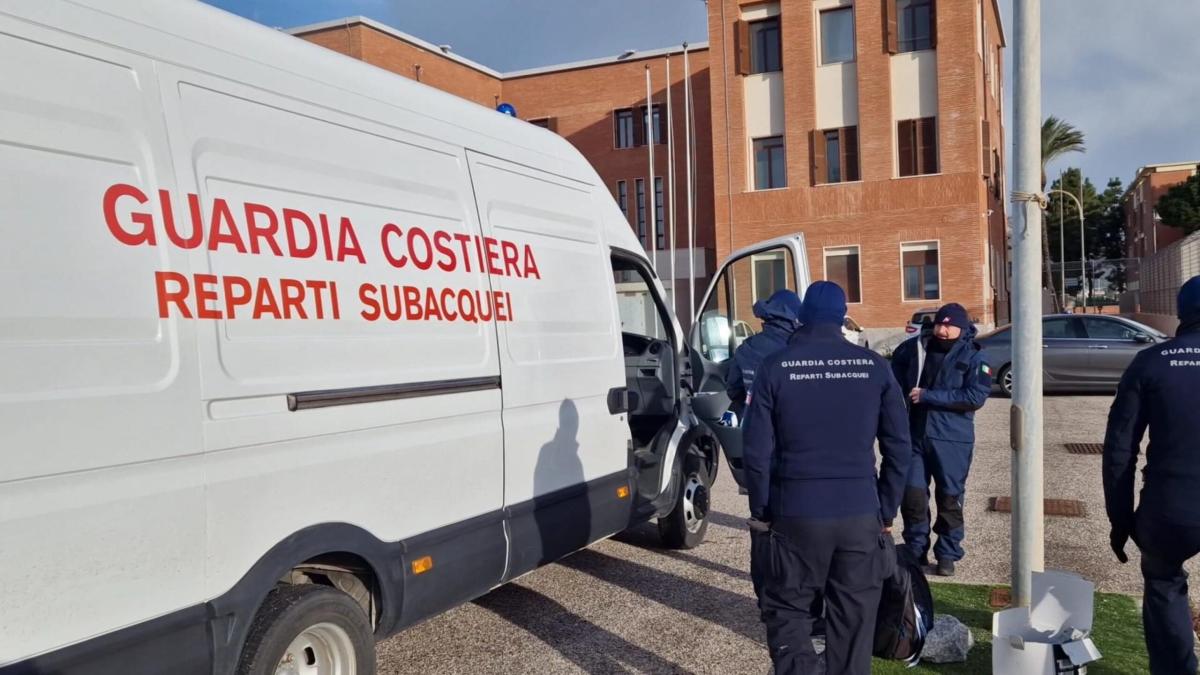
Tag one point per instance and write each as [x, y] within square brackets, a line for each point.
[1160, 390]
[811, 423]
[962, 386]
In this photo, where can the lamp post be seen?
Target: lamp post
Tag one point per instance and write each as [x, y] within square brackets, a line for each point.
[1082, 247]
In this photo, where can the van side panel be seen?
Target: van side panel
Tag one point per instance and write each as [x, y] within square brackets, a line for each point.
[101, 481]
[386, 466]
[559, 358]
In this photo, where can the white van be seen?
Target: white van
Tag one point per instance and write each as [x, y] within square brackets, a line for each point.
[295, 353]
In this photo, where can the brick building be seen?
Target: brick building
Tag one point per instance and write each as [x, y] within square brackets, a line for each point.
[875, 128]
[598, 105]
[1144, 234]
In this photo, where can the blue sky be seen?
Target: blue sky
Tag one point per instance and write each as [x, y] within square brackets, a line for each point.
[1126, 77]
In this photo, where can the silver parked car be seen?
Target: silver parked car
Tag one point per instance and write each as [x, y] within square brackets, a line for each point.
[1080, 352]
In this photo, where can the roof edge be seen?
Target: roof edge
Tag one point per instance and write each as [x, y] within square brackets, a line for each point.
[527, 72]
[607, 60]
[398, 34]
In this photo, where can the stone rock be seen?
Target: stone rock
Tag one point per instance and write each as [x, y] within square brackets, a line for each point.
[948, 642]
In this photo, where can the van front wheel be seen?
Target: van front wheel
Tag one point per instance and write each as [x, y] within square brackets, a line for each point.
[685, 526]
[309, 630]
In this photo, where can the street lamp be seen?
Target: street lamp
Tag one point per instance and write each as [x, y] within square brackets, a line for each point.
[1082, 251]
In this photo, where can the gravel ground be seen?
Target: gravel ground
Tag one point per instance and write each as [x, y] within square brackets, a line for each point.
[626, 605]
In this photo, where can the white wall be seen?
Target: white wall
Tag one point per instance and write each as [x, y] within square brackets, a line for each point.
[764, 104]
[914, 85]
[837, 95]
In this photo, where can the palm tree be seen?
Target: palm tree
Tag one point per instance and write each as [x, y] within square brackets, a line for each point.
[1058, 138]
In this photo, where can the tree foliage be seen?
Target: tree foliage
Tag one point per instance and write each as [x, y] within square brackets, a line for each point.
[1180, 206]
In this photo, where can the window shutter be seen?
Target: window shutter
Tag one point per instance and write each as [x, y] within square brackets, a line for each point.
[932, 24]
[905, 142]
[552, 124]
[986, 148]
[891, 30]
[928, 145]
[849, 144]
[817, 142]
[616, 128]
[741, 46]
[639, 126]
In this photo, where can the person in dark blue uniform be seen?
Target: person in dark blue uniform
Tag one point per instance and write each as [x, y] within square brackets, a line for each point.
[820, 516]
[780, 315]
[945, 378]
[1158, 392]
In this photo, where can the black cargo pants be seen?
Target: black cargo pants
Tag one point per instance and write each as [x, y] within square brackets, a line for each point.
[845, 558]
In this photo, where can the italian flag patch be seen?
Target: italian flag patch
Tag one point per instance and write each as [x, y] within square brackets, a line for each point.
[986, 370]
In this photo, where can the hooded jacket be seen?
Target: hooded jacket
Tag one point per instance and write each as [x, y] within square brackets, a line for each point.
[780, 315]
[962, 386]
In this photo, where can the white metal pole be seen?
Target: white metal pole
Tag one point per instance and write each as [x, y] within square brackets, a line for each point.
[671, 188]
[1028, 553]
[691, 206]
[652, 193]
[1083, 280]
[1062, 250]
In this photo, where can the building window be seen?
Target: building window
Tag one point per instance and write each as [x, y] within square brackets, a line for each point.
[921, 271]
[770, 163]
[835, 155]
[916, 141]
[765, 51]
[660, 236]
[623, 198]
[545, 123]
[837, 35]
[658, 124]
[841, 267]
[640, 197]
[770, 274]
[623, 124]
[916, 25]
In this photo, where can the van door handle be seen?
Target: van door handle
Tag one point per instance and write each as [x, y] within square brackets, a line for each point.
[618, 400]
[1097, 346]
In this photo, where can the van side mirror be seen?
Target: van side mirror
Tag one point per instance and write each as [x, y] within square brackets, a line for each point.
[1142, 338]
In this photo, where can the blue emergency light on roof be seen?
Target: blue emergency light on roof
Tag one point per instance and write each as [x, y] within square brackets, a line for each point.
[507, 109]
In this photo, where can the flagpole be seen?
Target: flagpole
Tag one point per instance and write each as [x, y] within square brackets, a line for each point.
[671, 185]
[652, 192]
[691, 207]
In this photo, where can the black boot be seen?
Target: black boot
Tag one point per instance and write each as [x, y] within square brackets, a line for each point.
[945, 568]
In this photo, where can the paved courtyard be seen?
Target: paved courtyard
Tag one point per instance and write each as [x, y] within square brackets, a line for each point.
[626, 605]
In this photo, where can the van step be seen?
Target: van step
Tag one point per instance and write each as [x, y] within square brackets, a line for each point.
[645, 458]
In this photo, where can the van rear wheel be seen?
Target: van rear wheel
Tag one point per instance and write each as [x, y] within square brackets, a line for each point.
[685, 526]
[309, 630]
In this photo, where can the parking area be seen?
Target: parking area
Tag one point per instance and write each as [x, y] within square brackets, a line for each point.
[627, 605]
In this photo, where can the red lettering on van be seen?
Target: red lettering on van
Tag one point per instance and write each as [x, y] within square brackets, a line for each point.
[531, 268]
[168, 214]
[290, 218]
[227, 235]
[265, 232]
[145, 235]
[348, 246]
[235, 297]
[178, 296]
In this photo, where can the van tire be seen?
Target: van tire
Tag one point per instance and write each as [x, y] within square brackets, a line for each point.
[328, 618]
[685, 526]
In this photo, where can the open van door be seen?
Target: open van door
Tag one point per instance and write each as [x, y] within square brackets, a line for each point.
[726, 318]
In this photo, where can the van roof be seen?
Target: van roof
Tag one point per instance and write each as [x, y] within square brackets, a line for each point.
[210, 28]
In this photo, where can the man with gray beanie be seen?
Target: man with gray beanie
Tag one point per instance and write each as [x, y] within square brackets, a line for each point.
[1158, 392]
